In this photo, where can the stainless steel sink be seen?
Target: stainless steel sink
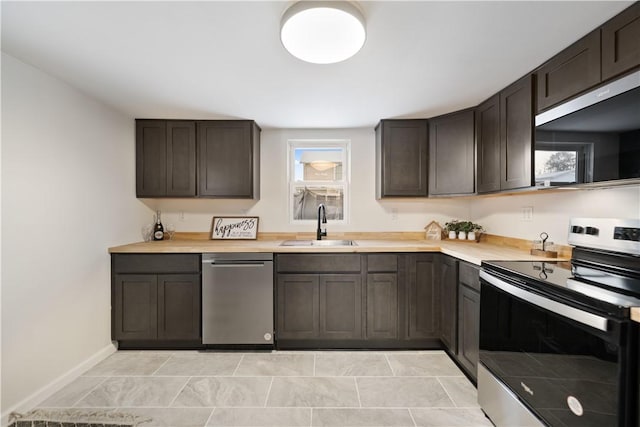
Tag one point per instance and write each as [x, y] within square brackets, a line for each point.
[318, 243]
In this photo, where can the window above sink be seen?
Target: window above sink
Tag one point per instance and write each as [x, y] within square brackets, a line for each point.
[318, 173]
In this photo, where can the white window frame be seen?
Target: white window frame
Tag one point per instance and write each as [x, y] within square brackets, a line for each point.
[345, 183]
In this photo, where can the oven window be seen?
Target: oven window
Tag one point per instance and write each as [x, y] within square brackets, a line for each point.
[568, 374]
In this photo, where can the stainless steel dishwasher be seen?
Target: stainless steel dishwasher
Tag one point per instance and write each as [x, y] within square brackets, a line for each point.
[237, 298]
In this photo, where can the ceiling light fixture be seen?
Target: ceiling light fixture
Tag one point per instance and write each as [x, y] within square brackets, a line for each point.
[323, 32]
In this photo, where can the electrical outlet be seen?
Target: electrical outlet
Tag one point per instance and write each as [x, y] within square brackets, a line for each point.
[394, 214]
[527, 213]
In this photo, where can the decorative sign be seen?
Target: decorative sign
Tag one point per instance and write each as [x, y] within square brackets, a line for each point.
[234, 228]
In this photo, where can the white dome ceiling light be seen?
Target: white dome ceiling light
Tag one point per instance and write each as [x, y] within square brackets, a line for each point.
[323, 32]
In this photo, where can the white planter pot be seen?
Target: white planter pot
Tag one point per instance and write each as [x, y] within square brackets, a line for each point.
[462, 235]
[452, 234]
[471, 235]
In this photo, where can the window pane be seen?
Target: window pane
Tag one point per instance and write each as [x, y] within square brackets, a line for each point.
[307, 199]
[318, 164]
[555, 167]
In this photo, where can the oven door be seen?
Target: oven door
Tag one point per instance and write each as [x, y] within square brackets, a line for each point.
[567, 366]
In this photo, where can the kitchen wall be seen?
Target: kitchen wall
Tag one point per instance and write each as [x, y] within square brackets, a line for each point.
[367, 213]
[68, 193]
[552, 211]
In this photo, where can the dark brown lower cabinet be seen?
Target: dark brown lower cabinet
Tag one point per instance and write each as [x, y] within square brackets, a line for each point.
[135, 307]
[381, 300]
[157, 307]
[382, 306]
[298, 306]
[469, 318]
[448, 281]
[340, 306]
[179, 306]
[423, 297]
[156, 298]
[325, 306]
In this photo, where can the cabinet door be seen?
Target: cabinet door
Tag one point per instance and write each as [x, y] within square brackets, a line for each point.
[488, 145]
[516, 135]
[401, 163]
[451, 154]
[179, 306]
[151, 158]
[181, 159]
[572, 71]
[298, 306]
[225, 159]
[469, 329]
[135, 309]
[423, 297]
[340, 306]
[621, 42]
[382, 306]
[448, 280]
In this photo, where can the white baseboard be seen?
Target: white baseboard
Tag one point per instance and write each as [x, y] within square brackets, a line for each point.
[48, 390]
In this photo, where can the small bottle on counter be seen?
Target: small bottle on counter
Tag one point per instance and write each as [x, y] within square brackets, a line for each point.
[158, 229]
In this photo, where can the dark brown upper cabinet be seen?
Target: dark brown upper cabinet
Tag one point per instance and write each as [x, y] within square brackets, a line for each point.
[504, 139]
[401, 158]
[572, 71]
[451, 154]
[226, 152]
[621, 42]
[516, 135]
[228, 159]
[165, 158]
[488, 145]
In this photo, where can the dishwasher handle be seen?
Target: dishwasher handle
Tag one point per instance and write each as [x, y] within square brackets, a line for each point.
[233, 264]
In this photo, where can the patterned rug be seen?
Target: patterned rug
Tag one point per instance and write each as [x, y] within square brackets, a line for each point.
[75, 418]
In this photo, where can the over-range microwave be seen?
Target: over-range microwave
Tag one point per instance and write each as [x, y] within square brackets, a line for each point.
[593, 138]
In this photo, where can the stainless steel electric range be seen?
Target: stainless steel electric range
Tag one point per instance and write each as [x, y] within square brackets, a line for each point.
[557, 344]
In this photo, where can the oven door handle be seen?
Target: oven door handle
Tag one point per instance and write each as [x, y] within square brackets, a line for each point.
[564, 310]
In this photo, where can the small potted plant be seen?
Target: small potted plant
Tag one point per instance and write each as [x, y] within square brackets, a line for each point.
[452, 228]
[475, 230]
[465, 227]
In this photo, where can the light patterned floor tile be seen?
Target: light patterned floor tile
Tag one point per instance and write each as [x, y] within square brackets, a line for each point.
[354, 364]
[461, 391]
[423, 364]
[134, 391]
[201, 364]
[313, 392]
[454, 417]
[402, 392]
[224, 391]
[348, 417]
[171, 417]
[69, 395]
[276, 364]
[125, 363]
[261, 417]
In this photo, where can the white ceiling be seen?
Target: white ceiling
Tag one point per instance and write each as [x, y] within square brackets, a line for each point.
[204, 60]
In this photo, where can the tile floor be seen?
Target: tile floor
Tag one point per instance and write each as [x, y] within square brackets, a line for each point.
[190, 388]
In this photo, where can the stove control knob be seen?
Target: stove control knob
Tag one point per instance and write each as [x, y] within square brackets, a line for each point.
[593, 231]
[577, 229]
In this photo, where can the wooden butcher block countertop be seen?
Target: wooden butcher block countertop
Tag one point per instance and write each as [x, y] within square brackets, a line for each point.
[490, 248]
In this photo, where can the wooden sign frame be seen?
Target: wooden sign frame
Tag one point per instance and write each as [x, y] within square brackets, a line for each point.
[234, 228]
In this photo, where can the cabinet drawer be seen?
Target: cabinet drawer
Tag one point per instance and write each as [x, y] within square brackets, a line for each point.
[318, 263]
[382, 263]
[469, 275]
[155, 263]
